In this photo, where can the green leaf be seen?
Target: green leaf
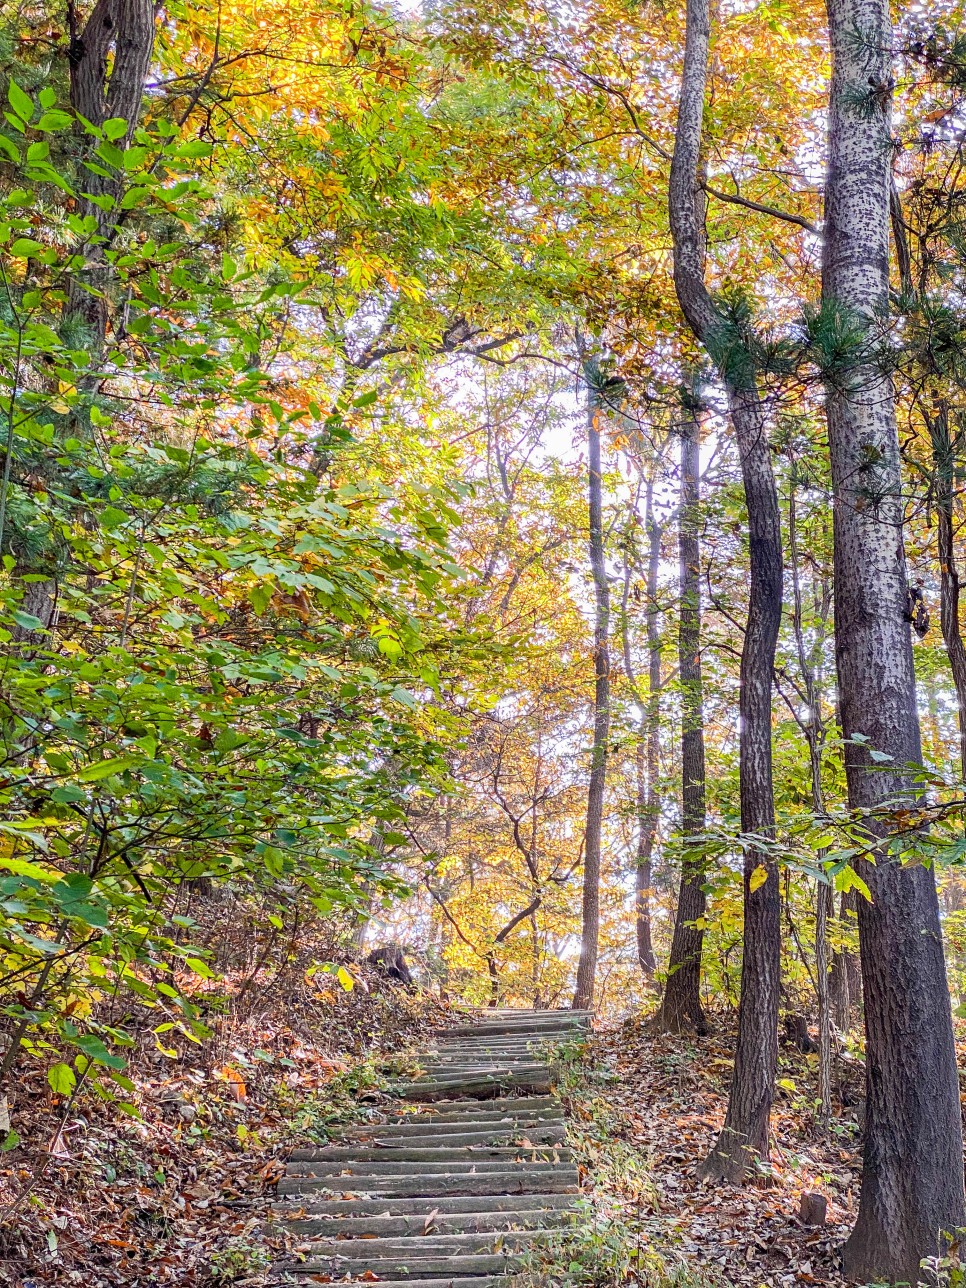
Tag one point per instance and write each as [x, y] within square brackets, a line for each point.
[20, 101]
[194, 150]
[27, 621]
[10, 1141]
[24, 868]
[68, 794]
[25, 248]
[115, 127]
[96, 1051]
[228, 740]
[62, 1079]
[199, 967]
[112, 518]
[55, 121]
[259, 596]
[104, 768]
[849, 879]
[93, 914]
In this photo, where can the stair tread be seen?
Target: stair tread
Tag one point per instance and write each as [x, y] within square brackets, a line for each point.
[449, 1190]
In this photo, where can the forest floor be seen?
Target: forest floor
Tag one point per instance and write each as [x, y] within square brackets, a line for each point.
[179, 1194]
[177, 1191]
[650, 1109]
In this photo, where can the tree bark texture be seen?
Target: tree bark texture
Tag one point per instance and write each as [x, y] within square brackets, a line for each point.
[744, 1136]
[912, 1179]
[109, 63]
[680, 1010]
[590, 903]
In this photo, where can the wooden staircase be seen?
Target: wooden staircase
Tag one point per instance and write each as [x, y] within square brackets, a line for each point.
[460, 1182]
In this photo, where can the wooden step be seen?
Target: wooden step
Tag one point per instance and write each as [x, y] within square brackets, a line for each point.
[425, 1206]
[378, 1249]
[466, 1154]
[472, 1110]
[443, 1192]
[422, 1124]
[472, 1281]
[446, 1088]
[406, 1167]
[461, 1105]
[535, 1134]
[421, 1223]
[517, 1180]
[411, 1267]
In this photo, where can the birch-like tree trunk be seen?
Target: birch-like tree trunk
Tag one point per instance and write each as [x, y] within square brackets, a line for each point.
[680, 1010]
[744, 1136]
[647, 751]
[944, 461]
[912, 1178]
[813, 727]
[590, 903]
[649, 806]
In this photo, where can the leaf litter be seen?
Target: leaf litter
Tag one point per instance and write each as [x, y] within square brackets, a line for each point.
[665, 1098]
[181, 1193]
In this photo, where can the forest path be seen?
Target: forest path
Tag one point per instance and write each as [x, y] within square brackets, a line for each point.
[454, 1187]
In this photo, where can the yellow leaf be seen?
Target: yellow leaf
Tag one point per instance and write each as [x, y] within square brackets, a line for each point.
[758, 878]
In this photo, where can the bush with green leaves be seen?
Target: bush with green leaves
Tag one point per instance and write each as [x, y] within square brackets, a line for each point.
[215, 666]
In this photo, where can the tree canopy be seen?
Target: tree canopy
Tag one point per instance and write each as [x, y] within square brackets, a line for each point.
[460, 471]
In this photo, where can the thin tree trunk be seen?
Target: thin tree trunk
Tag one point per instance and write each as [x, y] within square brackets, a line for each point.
[845, 982]
[643, 862]
[813, 727]
[744, 1136]
[823, 908]
[912, 1178]
[943, 466]
[648, 746]
[590, 909]
[680, 1010]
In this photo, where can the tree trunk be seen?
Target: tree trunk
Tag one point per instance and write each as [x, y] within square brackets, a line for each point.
[745, 1133]
[813, 727]
[648, 750]
[912, 1178]
[109, 64]
[943, 470]
[845, 980]
[680, 1010]
[590, 909]
[823, 906]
